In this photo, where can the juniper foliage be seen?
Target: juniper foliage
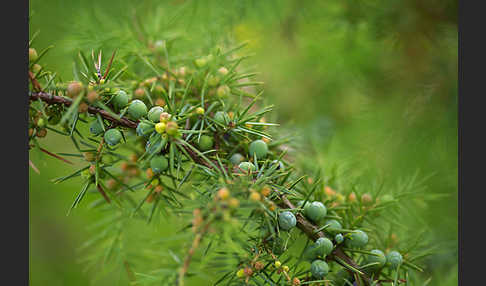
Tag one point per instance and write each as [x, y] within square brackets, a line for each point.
[186, 152]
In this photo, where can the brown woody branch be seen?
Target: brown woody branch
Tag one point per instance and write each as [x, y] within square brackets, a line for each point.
[54, 99]
[311, 231]
[302, 223]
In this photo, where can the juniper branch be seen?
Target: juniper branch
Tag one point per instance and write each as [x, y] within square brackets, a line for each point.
[311, 230]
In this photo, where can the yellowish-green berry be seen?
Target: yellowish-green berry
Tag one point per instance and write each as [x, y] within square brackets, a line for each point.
[160, 127]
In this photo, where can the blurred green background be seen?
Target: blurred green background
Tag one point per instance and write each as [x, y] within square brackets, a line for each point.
[371, 83]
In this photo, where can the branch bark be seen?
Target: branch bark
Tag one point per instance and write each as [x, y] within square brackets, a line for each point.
[302, 223]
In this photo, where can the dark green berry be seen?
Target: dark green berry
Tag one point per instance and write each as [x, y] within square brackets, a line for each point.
[315, 211]
[339, 238]
[246, 167]
[137, 109]
[205, 143]
[286, 220]
[113, 137]
[319, 269]
[154, 113]
[324, 246]
[356, 239]
[159, 164]
[393, 259]
[381, 259]
[144, 128]
[236, 158]
[221, 117]
[334, 226]
[258, 148]
[121, 99]
[95, 128]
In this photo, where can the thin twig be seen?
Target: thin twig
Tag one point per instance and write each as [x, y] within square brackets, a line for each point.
[190, 253]
[56, 156]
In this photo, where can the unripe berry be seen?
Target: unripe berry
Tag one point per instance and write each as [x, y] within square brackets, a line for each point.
[236, 158]
[92, 96]
[339, 238]
[286, 220]
[36, 68]
[329, 192]
[233, 202]
[334, 226]
[205, 143]
[160, 127]
[221, 117]
[393, 259]
[213, 80]
[154, 113]
[41, 133]
[144, 128]
[32, 54]
[366, 199]
[278, 264]
[172, 128]
[356, 239]
[41, 123]
[120, 100]
[74, 89]
[259, 265]
[82, 107]
[160, 102]
[319, 269]
[246, 167]
[164, 117]
[254, 196]
[95, 128]
[200, 110]
[113, 137]
[137, 109]
[92, 170]
[266, 191]
[223, 71]
[155, 182]
[285, 268]
[223, 193]
[259, 148]
[381, 259]
[324, 246]
[248, 271]
[315, 211]
[159, 164]
[223, 91]
[352, 197]
[240, 273]
[182, 72]
[139, 93]
[201, 62]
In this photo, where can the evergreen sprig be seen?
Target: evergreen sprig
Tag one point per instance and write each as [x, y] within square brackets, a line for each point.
[187, 137]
